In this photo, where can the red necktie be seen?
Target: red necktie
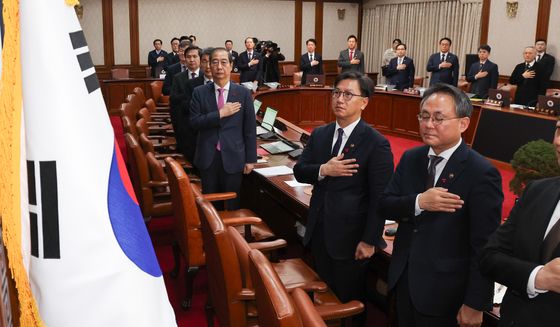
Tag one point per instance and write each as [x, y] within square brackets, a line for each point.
[351, 54]
[221, 103]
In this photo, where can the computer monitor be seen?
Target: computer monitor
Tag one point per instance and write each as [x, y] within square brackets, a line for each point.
[315, 80]
[257, 104]
[500, 95]
[549, 105]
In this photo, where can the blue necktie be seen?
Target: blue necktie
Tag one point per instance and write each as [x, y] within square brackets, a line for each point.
[338, 142]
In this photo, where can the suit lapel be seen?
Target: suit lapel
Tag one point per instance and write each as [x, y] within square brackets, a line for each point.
[326, 147]
[211, 97]
[454, 167]
[354, 139]
[543, 213]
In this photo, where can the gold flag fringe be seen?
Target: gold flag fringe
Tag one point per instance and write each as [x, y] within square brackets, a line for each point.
[10, 126]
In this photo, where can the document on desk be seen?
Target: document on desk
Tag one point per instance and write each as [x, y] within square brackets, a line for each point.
[274, 171]
[296, 183]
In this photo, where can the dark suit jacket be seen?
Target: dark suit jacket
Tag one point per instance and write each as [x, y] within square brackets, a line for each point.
[249, 74]
[346, 205]
[236, 133]
[234, 56]
[441, 250]
[306, 68]
[445, 75]
[528, 89]
[481, 86]
[170, 59]
[548, 62]
[168, 81]
[180, 101]
[152, 60]
[270, 69]
[514, 251]
[344, 61]
[401, 78]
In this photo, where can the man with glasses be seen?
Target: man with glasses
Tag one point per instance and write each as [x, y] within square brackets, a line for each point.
[349, 164]
[180, 99]
[177, 68]
[447, 199]
[444, 65]
[222, 112]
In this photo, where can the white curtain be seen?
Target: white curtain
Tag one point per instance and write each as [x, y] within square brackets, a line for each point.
[420, 26]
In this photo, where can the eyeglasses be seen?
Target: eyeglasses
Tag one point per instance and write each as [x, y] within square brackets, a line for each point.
[436, 119]
[346, 95]
[216, 63]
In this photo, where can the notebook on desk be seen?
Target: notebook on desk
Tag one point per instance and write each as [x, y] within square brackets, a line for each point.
[279, 147]
[267, 124]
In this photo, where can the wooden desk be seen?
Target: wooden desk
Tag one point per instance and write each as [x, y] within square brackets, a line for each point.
[494, 132]
[282, 206]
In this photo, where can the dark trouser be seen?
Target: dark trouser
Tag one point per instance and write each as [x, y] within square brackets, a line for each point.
[216, 180]
[346, 277]
[407, 314]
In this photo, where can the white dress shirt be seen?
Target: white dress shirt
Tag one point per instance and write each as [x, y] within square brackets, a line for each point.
[217, 93]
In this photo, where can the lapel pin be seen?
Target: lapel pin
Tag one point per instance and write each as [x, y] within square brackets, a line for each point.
[451, 175]
[352, 145]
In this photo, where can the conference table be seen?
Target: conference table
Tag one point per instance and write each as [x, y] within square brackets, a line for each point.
[285, 208]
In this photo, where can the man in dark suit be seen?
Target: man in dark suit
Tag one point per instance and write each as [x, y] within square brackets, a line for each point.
[349, 164]
[248, 63]
[400, 70]
[156, 58]
[173, 56]
[483, 75]
[351, 58]
[545, 60]
[310, 62]
[222, 112]
[529, 76]
[234, 54]
[447, 199]
[183, 65]
[180, 100]
[524, 255]
[444, 65]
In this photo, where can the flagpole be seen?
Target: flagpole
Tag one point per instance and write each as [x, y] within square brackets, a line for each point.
[10, 161]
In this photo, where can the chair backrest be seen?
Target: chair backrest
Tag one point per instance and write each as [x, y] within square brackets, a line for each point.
[148, 71]
[511, 88]
[119, 73]
[464, 85]
[242, 249]
[223, 268]
[553, 93]
[156, 87]
[140, 94]
[144, 113]
[308, 313]
[187, 220]
[274, 304]
[129, 126]
[151, 105]
[135, 101]
[235, 77]
[140, 175]
[146, 144]
[289, 69]
[142, 127]
[297, 78]
[419, 80]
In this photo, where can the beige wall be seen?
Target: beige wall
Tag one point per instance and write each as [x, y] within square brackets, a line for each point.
[508, 36]
[307, 25]
[335, 31]
[554, 36]
[121, 32]
[215, 21]
[93, 29]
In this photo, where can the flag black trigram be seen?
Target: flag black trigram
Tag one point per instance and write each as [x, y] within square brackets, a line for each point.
[79, 41]
[44, 205]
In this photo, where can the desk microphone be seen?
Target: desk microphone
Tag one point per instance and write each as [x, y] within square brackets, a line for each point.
[270, 134]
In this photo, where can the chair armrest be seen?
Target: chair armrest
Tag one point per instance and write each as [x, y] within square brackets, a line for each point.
[315, 286]
[158, 183]
[246, 294]
[167, 155]
[157, 137]
[339, 311]
[219, 196]
[241, 221]
[268, 246]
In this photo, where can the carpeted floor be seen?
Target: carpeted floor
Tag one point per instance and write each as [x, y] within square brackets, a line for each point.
[161, 231]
